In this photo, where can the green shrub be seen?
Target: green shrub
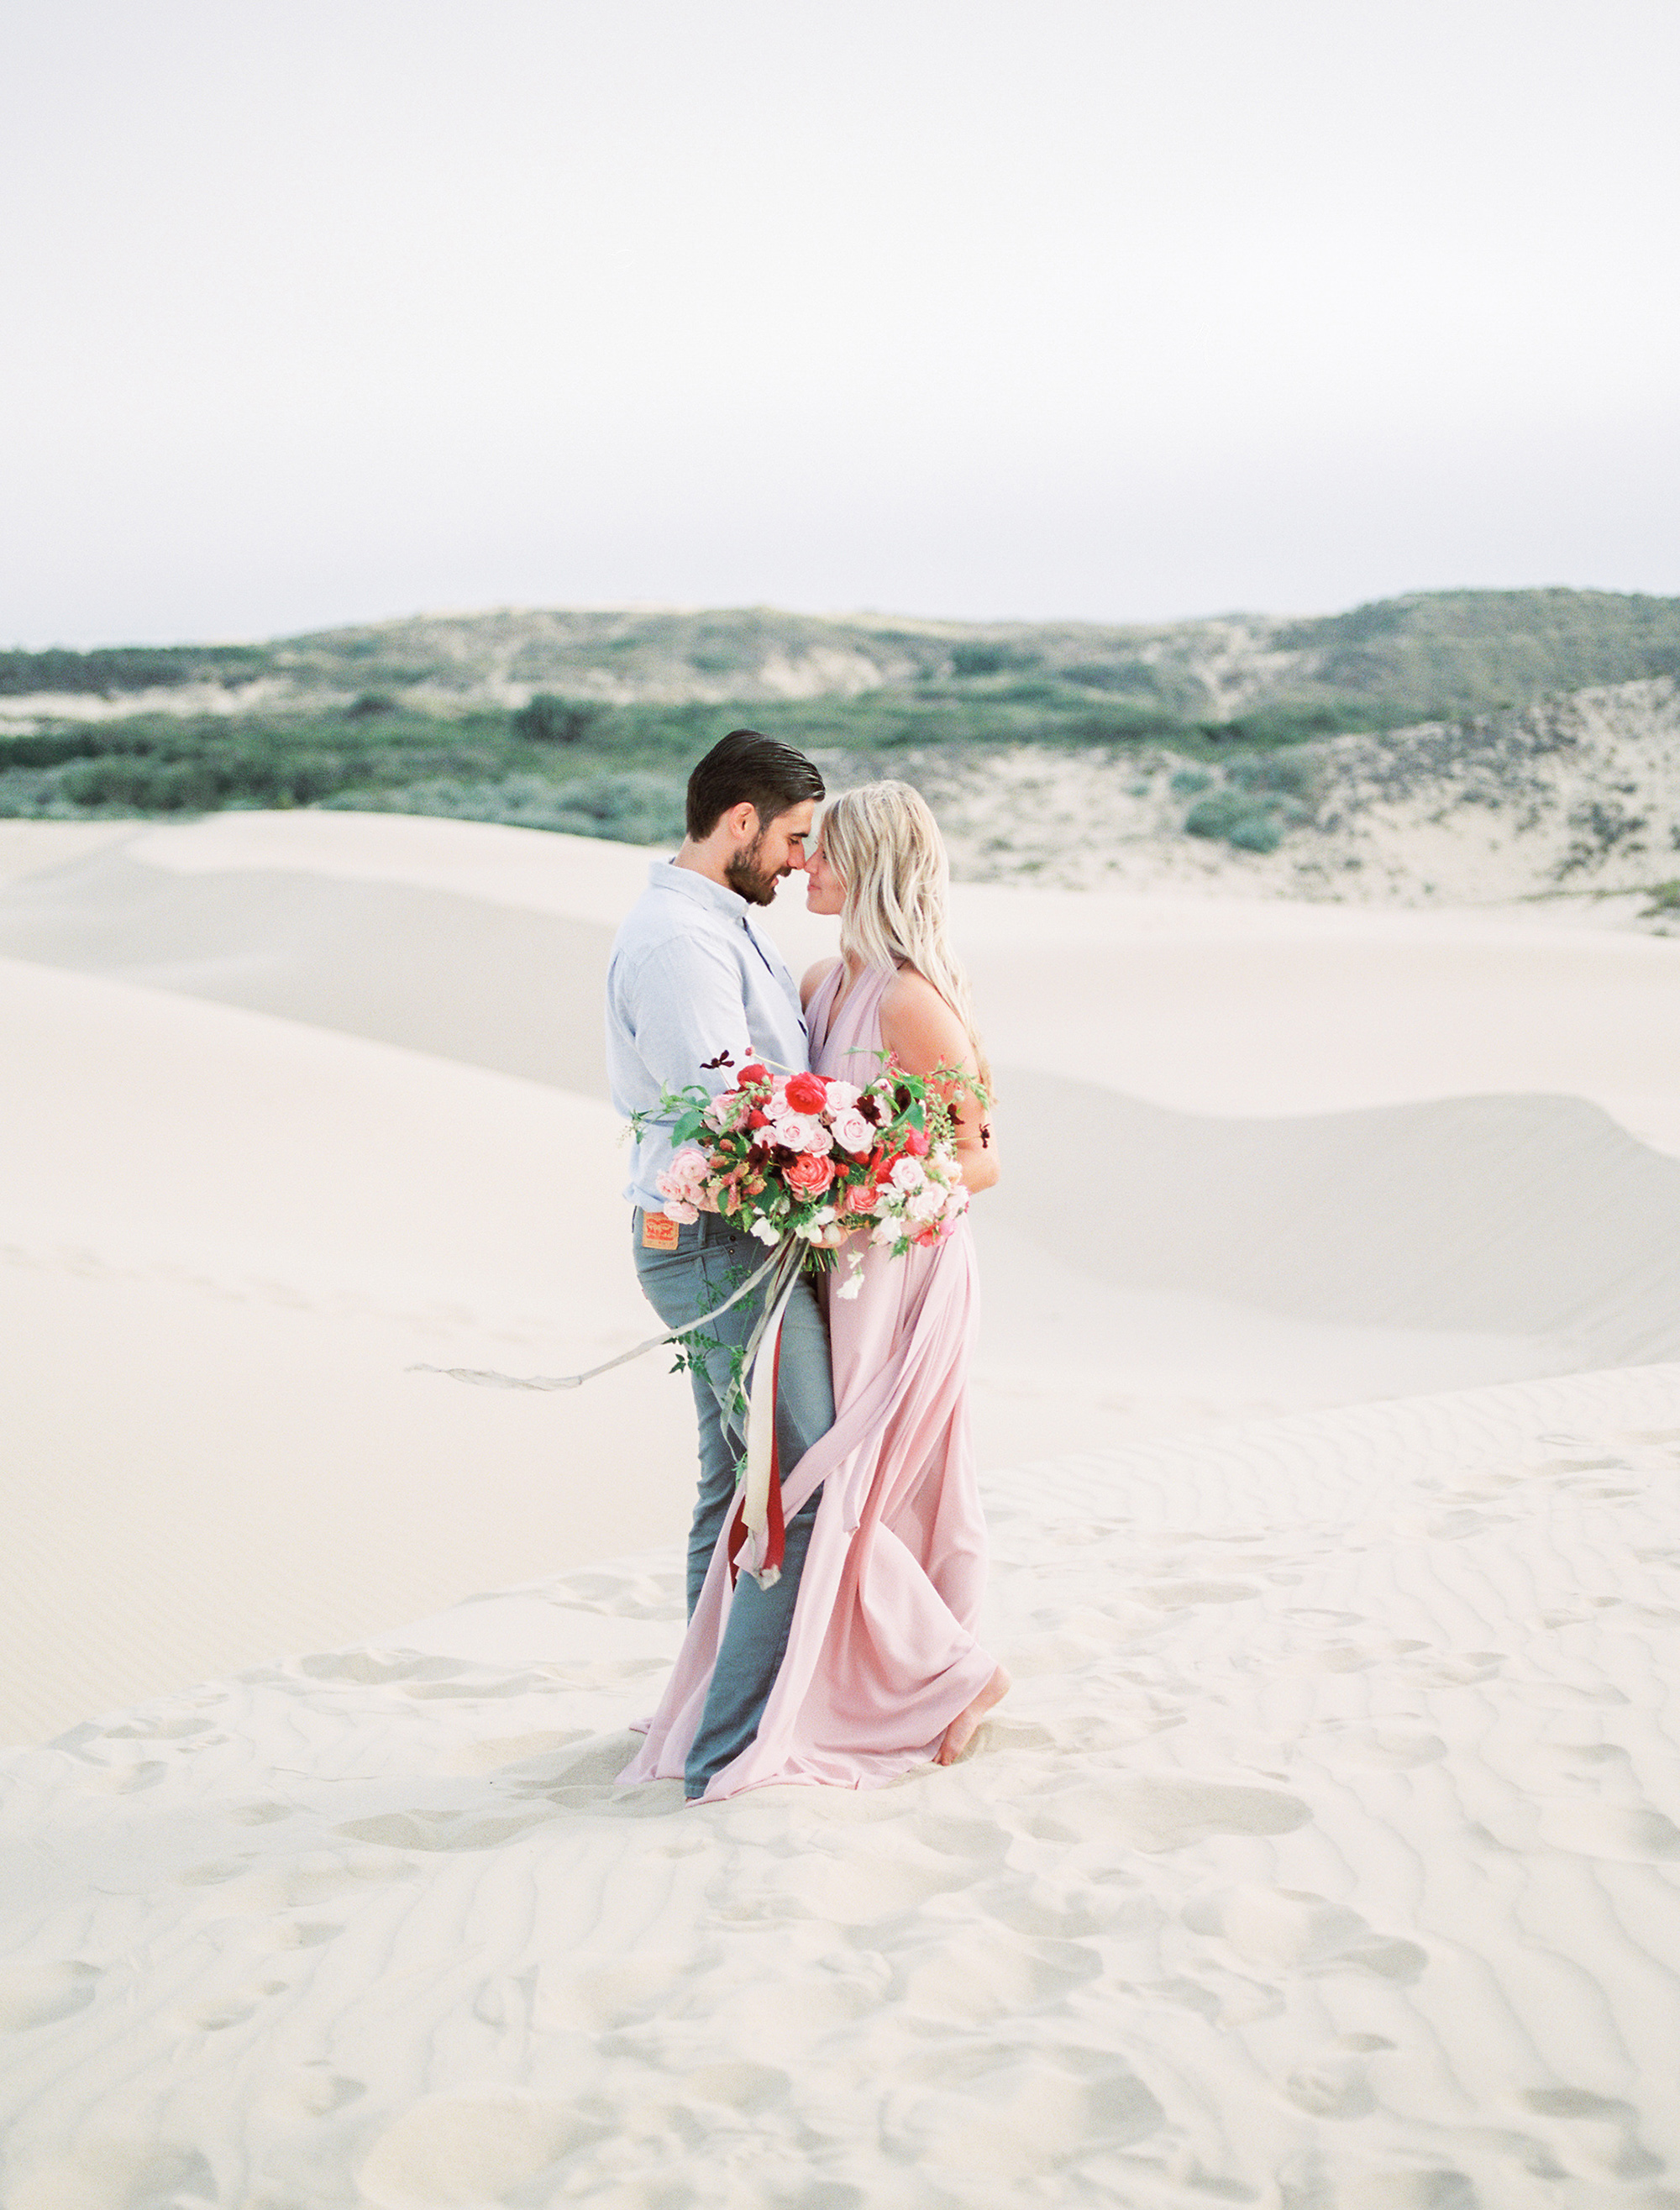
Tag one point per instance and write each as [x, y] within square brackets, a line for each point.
[1112, 675]
[128, 668]
[1188, 781]
[51, 751]
[1293, 773]
[1238, 818]
[548, 720]
[634, 808]
[991, 659]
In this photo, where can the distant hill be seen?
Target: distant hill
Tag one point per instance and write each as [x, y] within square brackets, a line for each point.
[1433, 655]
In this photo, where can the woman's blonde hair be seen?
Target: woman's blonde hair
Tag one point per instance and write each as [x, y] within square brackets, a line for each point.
[884, 844]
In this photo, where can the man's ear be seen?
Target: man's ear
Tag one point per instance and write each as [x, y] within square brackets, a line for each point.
[743, 820]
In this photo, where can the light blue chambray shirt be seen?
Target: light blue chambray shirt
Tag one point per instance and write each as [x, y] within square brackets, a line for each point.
[691, 977]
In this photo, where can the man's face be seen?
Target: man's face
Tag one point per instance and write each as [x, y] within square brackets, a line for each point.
[759, 869]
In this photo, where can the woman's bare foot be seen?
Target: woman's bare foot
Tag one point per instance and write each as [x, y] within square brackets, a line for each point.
[960, 1733]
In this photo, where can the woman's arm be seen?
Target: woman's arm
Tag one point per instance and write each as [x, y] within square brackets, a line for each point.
[814, 978]
[922, 1032]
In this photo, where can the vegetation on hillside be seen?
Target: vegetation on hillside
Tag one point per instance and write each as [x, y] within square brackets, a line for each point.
[407, 717]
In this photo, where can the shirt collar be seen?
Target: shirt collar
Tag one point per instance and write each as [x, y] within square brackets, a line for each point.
[686, 882]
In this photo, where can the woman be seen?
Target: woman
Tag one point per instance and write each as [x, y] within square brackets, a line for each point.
[882, 1670]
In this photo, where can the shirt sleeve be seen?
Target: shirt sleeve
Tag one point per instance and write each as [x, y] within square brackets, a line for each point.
[686, 1008]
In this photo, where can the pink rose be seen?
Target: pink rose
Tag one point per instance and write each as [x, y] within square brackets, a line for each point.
[851, 1131]
[798, 1132]
[915, 1143]
[809, 1176]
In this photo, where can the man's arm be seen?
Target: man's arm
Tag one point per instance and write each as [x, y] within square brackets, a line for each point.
[684, 1009]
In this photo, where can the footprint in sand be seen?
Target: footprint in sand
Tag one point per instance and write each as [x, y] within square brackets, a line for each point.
[410, 1830]
[495, 1753]
[1156, 1816]
[1332, 2086]
[260, 1813]
[1627, 1834]
[1181, 1596]
[1283, 1929]
[449, 2152]
[372, 1669]
[124, 1780]
[1397, 1748]
[35, 1994]
[114, 2175]
[315, 2093]
[167, 1726]
[1603, 2130]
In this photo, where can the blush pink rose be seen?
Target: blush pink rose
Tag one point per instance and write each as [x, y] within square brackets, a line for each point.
[851, 1131]
[798, 1130]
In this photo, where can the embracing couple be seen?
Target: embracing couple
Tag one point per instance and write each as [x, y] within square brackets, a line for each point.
[861, 1659]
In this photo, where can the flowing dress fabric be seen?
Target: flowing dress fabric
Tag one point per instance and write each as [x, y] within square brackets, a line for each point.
[882, 1652]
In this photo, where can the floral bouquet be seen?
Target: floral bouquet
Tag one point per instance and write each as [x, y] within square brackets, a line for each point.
[811, 1159]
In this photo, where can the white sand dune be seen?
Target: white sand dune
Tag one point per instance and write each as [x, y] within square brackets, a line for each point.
[225, 1238]
[237, 1227]
[1323, 1855]
[452, 937]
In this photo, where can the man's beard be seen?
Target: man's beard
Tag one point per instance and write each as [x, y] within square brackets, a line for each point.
[756, 885]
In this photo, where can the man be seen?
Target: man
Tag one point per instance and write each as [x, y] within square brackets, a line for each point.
[692, 988]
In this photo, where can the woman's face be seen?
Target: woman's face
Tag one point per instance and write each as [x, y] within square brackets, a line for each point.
[824, 892]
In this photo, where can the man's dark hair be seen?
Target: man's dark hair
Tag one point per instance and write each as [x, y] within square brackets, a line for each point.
[765, 774]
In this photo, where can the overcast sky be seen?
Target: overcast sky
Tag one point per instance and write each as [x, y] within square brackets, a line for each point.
[318, 313]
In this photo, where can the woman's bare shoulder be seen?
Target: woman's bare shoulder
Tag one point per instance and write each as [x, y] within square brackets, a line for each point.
[815, 977]
[914, 1015]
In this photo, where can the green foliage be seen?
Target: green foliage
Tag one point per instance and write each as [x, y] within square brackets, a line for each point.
[1113, 675]
[548, 720]
[51, 750]
[568, 762]
[1238, 817]
[989, 659]
[1664, 898]
[1295, 775]
[632, 808]
[1294, 722]
[1435, 655]
[113, 669]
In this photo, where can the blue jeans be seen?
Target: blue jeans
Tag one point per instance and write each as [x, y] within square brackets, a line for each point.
[712, 1259]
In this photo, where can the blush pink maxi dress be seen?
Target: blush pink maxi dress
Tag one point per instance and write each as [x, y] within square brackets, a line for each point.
[881, 1652]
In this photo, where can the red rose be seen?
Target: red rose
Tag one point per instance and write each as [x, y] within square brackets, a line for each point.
[807, 1093]
[751, 1073]
[755, 1119]
[809, 1176]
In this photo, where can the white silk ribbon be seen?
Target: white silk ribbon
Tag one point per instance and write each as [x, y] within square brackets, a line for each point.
[761, 1440]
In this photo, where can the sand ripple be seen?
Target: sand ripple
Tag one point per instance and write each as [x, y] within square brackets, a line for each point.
[1324, 1856]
